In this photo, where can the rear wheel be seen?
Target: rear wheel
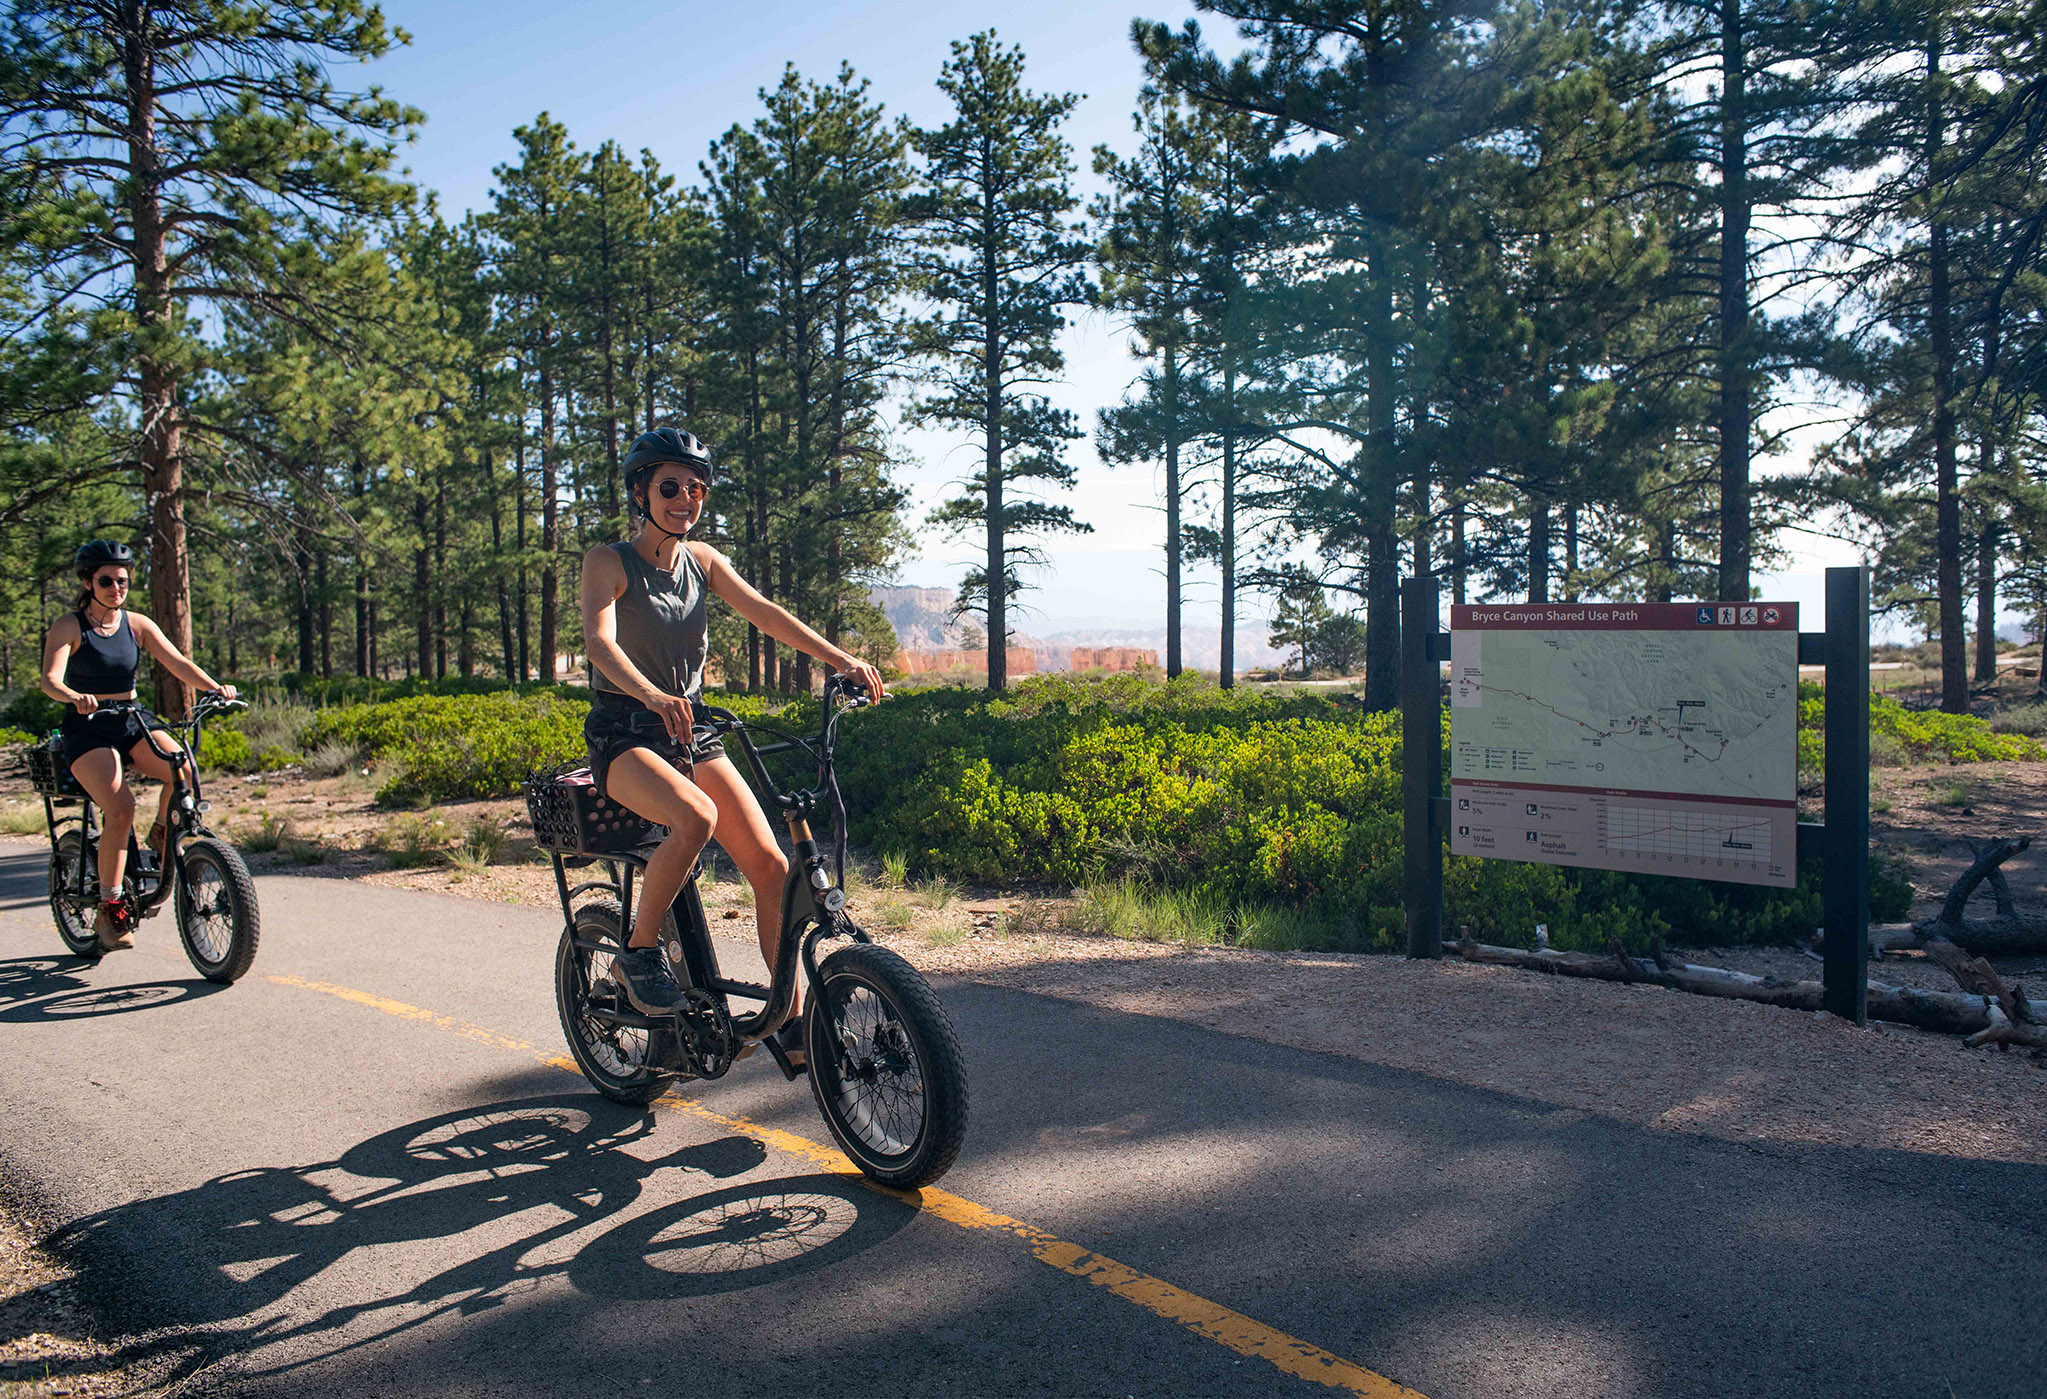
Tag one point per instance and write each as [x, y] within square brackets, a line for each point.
[217, 918]
[621, 1061]
[885, 1067]
[74, 911]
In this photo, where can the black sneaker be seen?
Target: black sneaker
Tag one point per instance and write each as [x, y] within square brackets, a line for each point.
[789, 1039]
[648, 982]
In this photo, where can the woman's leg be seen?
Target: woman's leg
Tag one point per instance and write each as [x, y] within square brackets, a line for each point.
[144, 759]
[745, 835]
[649, 785]
[99, 772]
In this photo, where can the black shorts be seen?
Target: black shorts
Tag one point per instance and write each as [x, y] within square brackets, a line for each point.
[614, 726]
[116, 724]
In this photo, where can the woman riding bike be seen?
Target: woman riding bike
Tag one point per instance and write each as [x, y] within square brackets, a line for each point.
[646, 629]
[89, 661]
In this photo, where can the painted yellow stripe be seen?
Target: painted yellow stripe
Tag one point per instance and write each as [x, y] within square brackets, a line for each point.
[1252, 1339]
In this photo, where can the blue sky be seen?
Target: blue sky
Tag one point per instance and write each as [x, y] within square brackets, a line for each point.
[670, 77]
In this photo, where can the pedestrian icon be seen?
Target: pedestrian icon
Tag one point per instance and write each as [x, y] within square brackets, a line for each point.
[1726, 616]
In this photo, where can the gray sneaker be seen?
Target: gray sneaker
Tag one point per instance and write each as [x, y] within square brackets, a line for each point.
[648, 982]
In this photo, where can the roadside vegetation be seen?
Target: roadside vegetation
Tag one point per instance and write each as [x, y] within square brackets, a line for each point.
[1175, 811]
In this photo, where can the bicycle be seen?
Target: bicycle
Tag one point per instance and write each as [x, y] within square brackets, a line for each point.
[215, 898]
[885, 1065]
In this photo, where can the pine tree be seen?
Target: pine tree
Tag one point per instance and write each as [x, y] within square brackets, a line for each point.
[998, 263]
[176, 163]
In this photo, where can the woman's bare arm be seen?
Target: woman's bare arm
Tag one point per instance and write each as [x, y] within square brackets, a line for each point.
[777, 621]
[171, 658]
[57, 647]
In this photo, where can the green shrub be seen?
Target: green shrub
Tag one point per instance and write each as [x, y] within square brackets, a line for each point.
[13, 735]
[225, 750]
[2029, 719]
[30, 709]
[1234, 803]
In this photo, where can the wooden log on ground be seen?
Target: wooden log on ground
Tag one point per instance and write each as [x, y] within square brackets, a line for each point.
[1946, 1012]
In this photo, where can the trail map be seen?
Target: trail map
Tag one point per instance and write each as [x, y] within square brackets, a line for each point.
[1644, 736]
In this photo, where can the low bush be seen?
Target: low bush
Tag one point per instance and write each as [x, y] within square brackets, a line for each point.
[1244, 802]
[12, 735]
[1899, 736]
[416, 838]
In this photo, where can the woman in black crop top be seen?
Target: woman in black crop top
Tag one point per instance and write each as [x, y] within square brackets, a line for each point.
[89, 661]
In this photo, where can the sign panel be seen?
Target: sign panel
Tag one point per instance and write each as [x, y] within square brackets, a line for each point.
[1655, 737]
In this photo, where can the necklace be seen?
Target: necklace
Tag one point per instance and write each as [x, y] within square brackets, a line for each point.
[106, 628]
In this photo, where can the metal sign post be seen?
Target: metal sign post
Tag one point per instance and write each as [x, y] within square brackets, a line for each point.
[1842, 841]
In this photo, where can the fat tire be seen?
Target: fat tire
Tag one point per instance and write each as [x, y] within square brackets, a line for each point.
[600, 920]
[244, 919]
[79, 938]
[916, 1007]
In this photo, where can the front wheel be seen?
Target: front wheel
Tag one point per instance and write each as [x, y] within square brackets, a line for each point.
[73, 911]
[217, 917]
[885, 1067]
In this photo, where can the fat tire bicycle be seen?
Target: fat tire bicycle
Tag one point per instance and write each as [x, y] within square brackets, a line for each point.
[884, 1063]
[202, 875]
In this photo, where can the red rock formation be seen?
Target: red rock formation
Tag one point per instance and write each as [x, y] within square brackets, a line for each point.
[1110, 658]
[1021, 662]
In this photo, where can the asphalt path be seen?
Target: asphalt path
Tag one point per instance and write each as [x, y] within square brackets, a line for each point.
[357, 1172]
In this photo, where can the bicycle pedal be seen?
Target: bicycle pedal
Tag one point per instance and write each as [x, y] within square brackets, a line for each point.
[781, 1058]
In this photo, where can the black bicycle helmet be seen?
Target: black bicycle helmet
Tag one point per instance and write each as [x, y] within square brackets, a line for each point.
[664, 444]
[102, 551]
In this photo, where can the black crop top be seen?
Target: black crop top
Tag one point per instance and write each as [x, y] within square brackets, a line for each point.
[103, 665]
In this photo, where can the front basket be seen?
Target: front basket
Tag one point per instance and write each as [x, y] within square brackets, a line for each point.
[49, 774]
[569, 817]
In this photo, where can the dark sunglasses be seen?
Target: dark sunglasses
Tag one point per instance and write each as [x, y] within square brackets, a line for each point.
[672, 487]
[109, 581]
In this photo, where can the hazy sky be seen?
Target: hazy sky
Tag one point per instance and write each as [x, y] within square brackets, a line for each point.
[671, 76]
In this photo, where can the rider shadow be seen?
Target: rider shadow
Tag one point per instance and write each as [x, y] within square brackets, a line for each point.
[94, 1001]
[26, 978]
[239, 1244]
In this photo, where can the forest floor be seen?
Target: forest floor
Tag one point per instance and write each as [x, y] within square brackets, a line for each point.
[1649, 1056]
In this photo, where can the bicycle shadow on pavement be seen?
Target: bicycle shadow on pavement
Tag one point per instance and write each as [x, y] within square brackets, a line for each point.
[26, 978]
[533, 1173]
[94, 1001]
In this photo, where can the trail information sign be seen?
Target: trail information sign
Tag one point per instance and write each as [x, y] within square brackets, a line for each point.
[1655, 737]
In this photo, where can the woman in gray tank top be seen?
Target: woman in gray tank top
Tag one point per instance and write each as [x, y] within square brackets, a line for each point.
[646, 630]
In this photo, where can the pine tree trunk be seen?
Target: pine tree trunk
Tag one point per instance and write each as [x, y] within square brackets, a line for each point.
[1954, 654]
[1382, 547]
[1228, 661]
[519, 520]
[422, 589]
[1172, 396]
[302, 569]
[1986, 603]
[1538, 549]
[163, 444]
[550, 525]
[440, 564]
[507, 654]
[991, 425]
[326, 617]
[1736, 380]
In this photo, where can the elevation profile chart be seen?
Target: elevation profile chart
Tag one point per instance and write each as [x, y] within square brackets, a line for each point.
[1655, 737]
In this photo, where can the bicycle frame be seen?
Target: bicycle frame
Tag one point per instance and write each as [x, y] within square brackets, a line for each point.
[810, 893]
[187, 805]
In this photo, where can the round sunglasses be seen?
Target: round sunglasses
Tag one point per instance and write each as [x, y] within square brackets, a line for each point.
[672, 487]
[110, 581]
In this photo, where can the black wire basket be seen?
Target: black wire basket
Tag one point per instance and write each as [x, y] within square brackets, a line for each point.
[49, 774]
[569, 817]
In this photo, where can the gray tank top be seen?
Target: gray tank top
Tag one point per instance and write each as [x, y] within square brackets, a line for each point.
[662, 627]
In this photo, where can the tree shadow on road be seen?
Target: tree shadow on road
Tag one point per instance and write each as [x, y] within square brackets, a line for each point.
[534, 1175]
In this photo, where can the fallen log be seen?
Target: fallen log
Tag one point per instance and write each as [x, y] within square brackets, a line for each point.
[2009, 934]
[1947, 1012]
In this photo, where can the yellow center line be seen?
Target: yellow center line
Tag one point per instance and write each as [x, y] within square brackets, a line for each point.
[1237, 1332]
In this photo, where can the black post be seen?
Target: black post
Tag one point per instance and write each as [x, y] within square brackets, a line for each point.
[1845, 892]
[1421, 765]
